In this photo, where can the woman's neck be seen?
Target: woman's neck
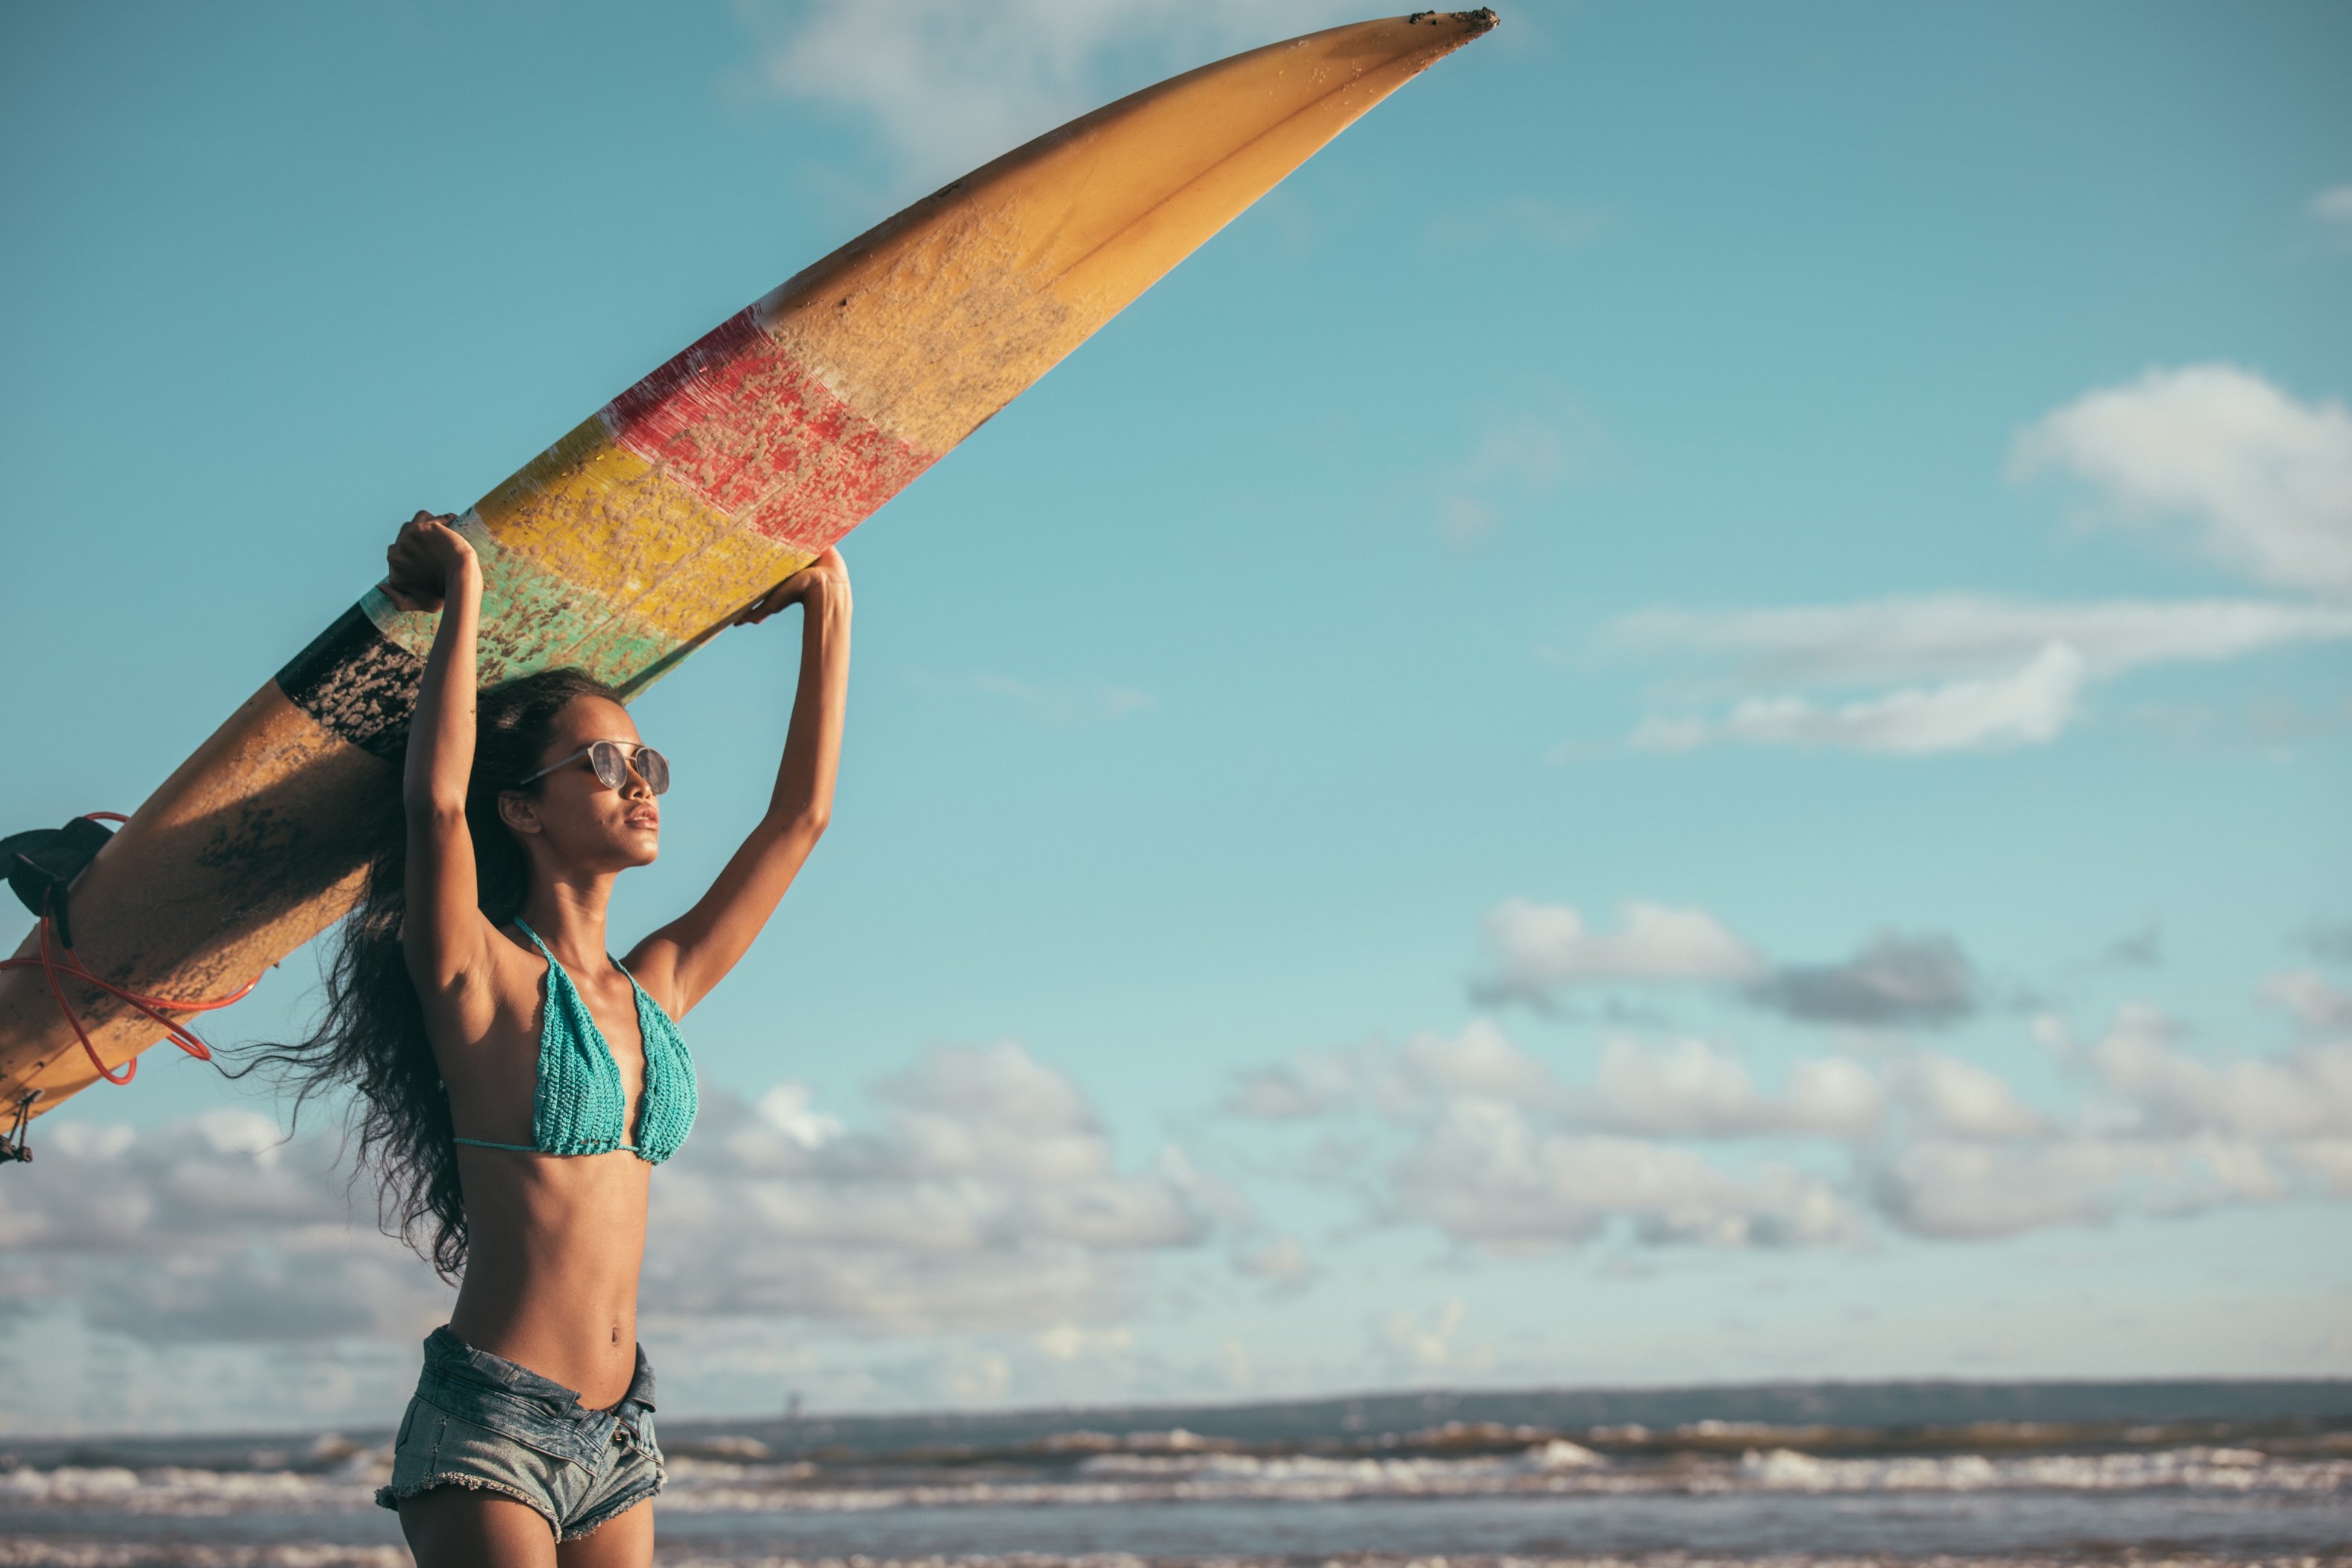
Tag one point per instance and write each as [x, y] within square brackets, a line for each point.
[569, 914]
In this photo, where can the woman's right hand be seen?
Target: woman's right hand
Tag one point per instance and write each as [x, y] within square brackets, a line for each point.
[428, 555]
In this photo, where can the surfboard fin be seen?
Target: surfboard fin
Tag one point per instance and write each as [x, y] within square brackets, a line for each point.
[43, 862]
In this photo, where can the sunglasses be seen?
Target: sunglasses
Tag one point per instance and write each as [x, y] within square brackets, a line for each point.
[612, 760]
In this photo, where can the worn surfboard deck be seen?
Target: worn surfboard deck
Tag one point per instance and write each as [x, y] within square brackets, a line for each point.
[637, 536]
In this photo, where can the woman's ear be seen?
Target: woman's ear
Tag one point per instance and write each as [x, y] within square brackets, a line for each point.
[519, 812]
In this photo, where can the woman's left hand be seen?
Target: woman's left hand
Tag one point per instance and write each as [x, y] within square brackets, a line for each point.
[679, 962]
[824, 584]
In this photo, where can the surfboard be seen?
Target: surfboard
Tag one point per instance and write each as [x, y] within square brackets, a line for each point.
[640, 534]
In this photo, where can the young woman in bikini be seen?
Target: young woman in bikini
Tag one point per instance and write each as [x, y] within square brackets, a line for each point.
[515, 1085]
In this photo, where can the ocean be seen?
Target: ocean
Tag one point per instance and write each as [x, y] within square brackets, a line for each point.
[1981, 1473]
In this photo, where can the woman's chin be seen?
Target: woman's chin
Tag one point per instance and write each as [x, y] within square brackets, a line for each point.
[631, 848]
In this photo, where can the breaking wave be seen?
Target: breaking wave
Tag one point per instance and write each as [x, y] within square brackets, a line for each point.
[1158, 1471]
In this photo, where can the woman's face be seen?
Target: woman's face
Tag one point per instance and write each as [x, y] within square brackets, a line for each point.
[577, 819]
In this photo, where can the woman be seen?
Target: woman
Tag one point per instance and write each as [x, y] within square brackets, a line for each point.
[477, 961]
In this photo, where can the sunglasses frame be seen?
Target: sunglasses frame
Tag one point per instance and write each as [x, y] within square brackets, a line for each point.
[627, 752]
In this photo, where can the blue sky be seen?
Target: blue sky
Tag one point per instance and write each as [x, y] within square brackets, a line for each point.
[1682, 715]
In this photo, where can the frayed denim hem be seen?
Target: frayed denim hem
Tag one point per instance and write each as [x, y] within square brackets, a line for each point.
[606, 1516]
[392, 1497]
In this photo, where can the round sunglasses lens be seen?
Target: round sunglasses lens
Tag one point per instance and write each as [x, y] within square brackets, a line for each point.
[612, 768]
[654, 768]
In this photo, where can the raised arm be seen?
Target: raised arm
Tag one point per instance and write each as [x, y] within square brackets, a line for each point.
[432, 567]
[682, 961]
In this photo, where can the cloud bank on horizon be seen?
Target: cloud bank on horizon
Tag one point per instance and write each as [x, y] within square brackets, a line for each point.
[982, 1203]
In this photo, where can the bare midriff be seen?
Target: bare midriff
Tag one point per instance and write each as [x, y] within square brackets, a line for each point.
[555, 1245]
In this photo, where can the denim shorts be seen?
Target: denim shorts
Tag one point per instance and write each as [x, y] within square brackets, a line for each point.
[479, 1421]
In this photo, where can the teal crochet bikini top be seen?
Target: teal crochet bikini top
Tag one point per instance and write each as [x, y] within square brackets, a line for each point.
[579, 1104]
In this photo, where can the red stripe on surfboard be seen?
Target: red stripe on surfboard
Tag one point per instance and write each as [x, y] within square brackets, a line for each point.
[746, 427]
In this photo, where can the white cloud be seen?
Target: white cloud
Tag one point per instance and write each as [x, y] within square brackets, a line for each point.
[2028, 707]
[2310, 1000]
[1690, 1088]
[1487, 1174]
[1958, 1099]
[1309, 1084]
[1480, 1062]
[1537, 950]
[2158, 1088]
[2163, 1132]
[2328, 1163]
[949, 85]
[1500, 1154]
[1658, 1088]
[1398, 1083]
[787, 1107]
[212, 1229]
[2265, 480]
[1673, 1088]
[1961, 636]
[987, 1197]
[1974, 1190]
[2005, 673]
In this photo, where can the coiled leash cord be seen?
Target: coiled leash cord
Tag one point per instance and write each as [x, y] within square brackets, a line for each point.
[40, 865]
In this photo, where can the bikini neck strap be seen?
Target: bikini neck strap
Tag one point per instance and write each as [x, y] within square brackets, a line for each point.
[524, 925]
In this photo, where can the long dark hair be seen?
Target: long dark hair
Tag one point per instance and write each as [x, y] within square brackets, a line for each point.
[371, 1036]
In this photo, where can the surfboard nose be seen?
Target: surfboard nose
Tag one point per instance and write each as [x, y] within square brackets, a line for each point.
[933, 320]
[1470, 24]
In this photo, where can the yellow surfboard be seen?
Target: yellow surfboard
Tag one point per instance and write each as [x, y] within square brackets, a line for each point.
[639, 535]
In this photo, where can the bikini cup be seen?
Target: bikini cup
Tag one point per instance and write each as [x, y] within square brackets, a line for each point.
[579, 1104]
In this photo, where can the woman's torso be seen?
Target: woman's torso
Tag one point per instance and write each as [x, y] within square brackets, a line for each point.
[554, 1242]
